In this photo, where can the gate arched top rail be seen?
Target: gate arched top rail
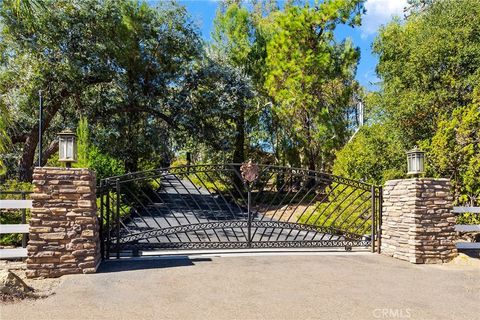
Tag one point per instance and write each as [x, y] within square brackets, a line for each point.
[233, 167]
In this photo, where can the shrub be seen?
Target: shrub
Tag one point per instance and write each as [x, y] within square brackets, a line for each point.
[125, 209]
[211, 181]
[468, 218]
[104, 165]
[374, 155]
[346, 209]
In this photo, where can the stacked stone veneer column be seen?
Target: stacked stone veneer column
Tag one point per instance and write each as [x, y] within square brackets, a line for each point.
[418, 224]
[64, 237]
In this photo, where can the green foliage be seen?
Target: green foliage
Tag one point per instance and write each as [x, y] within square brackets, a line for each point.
[4, 138]
[310, 76]
[232, 33]
[90, 156]
[83, 143]
[104, 165]
[15, 185]
[347, 209]
[468, 218]
[210, 181]
[454, 152]
[125, 209]
[122, 64]
[25, 10]
[12, 216]
[429, 66]
[373, 156]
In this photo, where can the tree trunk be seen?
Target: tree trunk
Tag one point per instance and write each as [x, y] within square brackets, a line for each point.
[131, 163]
[311, 163]
[311, 166]
[26, 164]
[25, 167]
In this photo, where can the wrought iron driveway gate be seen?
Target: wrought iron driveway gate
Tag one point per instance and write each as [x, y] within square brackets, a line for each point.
[225, 206]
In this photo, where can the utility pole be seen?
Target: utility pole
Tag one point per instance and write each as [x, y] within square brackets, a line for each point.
[40, 125]
[359, 113]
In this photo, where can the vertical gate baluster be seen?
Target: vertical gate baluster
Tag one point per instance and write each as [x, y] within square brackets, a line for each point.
[249, 212]
[107, 222]
[102, 244]
[117, 219]
[374, 204]
[380, 212]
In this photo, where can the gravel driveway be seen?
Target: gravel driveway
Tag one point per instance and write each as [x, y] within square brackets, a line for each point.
[296, 286]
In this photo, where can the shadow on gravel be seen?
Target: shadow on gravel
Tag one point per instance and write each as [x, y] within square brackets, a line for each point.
[148, 263]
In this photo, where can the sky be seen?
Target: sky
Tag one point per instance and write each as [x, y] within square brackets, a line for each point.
[379, 12]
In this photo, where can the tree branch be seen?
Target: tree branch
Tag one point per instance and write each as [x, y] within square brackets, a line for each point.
[19, 138]
[51, 149]
[153, 112]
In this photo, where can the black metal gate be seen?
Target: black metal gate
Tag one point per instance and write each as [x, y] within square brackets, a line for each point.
[233, 206]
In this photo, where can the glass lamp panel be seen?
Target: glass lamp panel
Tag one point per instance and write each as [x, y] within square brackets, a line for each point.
[74, 149]
[69, 148]
[421, 161]
[61, 148]
[415, 162]
[409, 163]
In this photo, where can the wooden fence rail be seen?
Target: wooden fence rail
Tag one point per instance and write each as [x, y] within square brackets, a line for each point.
[467, 228]
[23, 205]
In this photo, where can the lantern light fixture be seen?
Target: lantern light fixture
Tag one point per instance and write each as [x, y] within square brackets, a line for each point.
[67, 147]
[415, 161]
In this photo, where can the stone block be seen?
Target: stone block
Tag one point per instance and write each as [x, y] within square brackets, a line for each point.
[39, 229]
[87, 233]
[85, 203]
[53, 235]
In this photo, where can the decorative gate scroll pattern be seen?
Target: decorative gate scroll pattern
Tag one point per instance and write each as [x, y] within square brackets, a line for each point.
[235, 206]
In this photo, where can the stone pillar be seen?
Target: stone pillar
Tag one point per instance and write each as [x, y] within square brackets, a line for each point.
[64, 237]
[417, 223]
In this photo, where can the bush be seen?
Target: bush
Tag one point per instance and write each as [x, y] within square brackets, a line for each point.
[210, 181]
[125, 209]
[454, 152]
[468, 218]
[374, 155]
[347, 209]
[104, 165]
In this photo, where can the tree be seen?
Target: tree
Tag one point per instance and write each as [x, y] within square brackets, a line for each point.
[116, 62]
[310, 76]
[233, 33]
[416, 6]
[83, 143]
[428, 66]
[49, 58]
[25, 9]
[455, 152]
[4, 138]
[218, 95]
[232, 36]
